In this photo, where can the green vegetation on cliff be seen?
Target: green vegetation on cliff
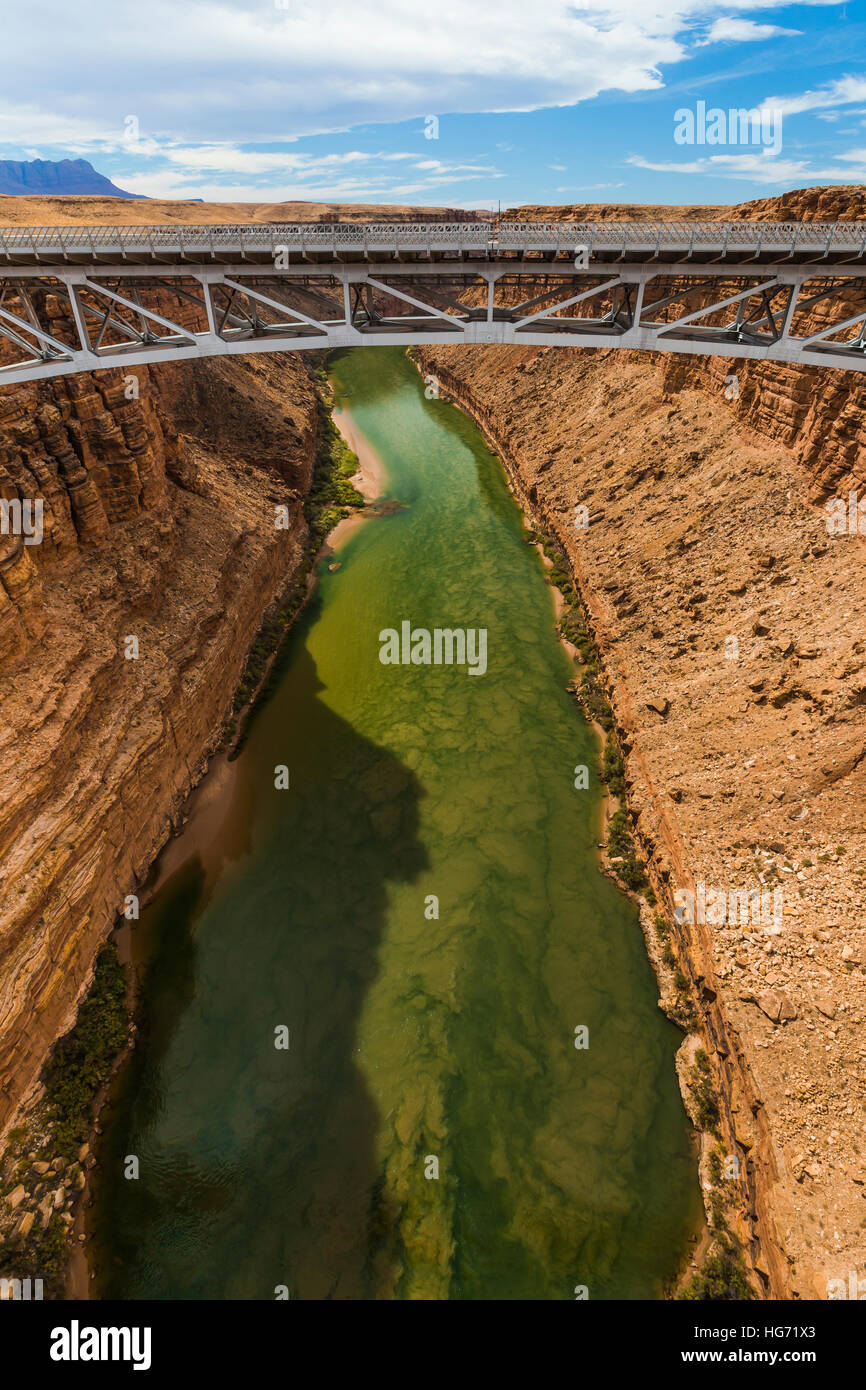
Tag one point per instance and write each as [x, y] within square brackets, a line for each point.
[722, 1279]
[625, 860]
[82, 1060]
[35, 1244]
[331, 494]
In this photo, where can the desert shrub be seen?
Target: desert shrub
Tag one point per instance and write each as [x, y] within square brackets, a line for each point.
[722, 1279]
[82, 1060]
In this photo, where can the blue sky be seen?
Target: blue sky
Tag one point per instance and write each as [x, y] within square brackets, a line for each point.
[549, 102]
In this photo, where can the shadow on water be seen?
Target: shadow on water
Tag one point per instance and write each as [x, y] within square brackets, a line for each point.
[415, 1035]
[213, 1110]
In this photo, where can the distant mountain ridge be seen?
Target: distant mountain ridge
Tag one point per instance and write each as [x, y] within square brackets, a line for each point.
[57, 176]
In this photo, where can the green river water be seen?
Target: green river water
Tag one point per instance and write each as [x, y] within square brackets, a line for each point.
[411, 1036]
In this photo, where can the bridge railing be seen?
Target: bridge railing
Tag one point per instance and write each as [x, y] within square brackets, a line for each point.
[645, 238]
[254, 236]
[685, 236]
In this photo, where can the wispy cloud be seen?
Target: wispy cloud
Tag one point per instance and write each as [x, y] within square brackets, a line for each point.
[762, 167]
[841, 92]
[587, 187]
[731, 30]
[317, 178]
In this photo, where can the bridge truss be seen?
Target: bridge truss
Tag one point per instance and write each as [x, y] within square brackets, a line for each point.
[75, 299]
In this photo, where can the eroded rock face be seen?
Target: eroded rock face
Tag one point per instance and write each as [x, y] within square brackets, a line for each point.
[163, 533]
[94, 459]
[820, 415]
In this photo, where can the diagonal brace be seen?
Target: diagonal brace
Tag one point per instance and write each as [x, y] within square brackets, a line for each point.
[173, 328]
[416, 303]
[45, 339]
[665, 328]
[238, 285]
[567, 303]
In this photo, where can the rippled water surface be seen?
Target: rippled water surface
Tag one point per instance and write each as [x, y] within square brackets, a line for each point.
[410, 1036]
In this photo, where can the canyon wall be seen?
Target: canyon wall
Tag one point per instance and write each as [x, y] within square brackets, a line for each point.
[159, 494]
[817, 414]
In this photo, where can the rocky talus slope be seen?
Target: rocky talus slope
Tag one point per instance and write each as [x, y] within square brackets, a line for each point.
[159, 525]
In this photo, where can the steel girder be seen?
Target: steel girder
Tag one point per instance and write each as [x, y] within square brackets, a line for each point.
[743, 310]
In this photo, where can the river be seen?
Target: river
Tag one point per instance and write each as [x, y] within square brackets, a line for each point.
[422, 916]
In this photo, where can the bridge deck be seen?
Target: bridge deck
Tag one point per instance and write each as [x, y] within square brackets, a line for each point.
[339, 243]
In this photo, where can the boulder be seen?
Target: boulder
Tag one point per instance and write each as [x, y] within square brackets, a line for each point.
[659, 703]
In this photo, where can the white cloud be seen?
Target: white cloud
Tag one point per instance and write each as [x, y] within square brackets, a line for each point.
[730, 30]
[200, 69]
[25, 124]
[438, 166]
[319, 181]
[763, 165]
[244, 70]
[839, 93]
[209, 80]
[755, 166]
[759, 166]
[231, 159]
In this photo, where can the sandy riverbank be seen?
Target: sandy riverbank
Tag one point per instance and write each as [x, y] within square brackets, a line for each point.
[370, 479]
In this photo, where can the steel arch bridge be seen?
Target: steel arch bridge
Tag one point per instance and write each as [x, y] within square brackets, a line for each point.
[78, 298]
